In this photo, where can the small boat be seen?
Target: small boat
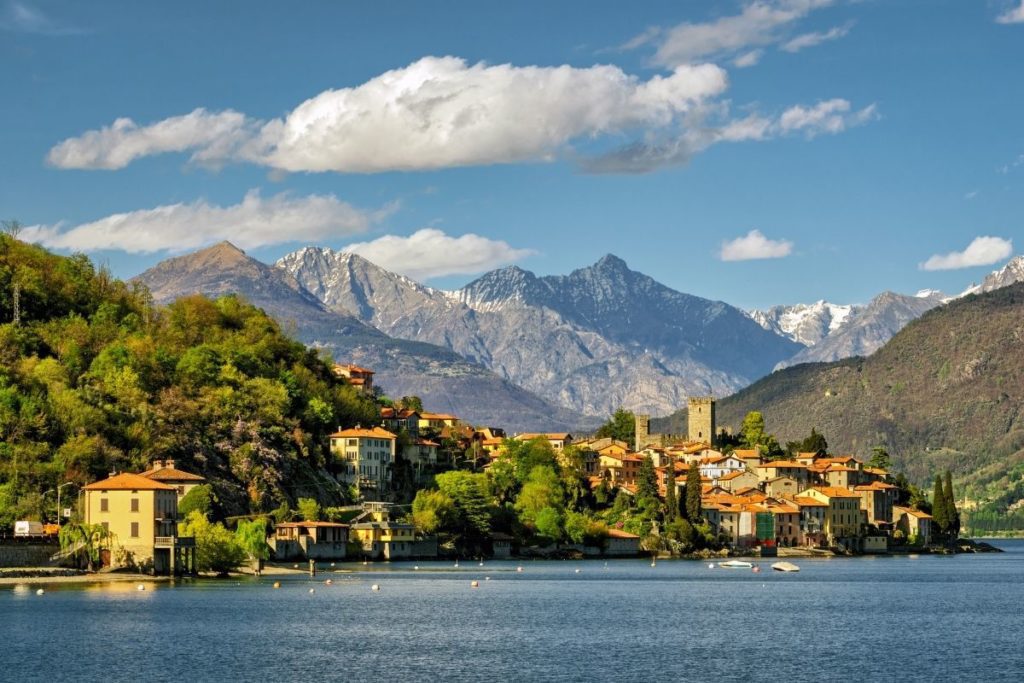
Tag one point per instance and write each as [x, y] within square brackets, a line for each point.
[736, 564]
[785, 567]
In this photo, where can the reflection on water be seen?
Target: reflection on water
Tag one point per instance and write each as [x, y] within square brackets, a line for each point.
[608, 621]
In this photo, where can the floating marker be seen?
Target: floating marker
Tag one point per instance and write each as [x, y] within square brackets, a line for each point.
[711, 566]
[332, 564]
[487, 578]
[40, 591]
[474, 584]
[578, 571]
[277, 584]
[296, 566]
[312, 590]
[519, 569]
[481, 564]
[328, 582]
[140, 587]
[416, 567]
[375, 587]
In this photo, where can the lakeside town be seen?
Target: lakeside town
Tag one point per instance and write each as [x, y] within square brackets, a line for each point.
[705, 494]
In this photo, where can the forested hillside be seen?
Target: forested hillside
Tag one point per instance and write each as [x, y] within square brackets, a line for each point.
[95, 378]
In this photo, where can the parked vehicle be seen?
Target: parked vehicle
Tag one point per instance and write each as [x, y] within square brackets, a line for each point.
[24, 527]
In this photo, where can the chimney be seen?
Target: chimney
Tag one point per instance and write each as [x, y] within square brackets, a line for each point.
[158, 464]
[169, 464]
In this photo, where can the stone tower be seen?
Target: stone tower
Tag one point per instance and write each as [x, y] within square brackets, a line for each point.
[702, 419]
[643, 432]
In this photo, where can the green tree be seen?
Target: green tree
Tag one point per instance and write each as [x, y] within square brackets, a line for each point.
[309, 509]
[251, 537]
[84, 541]
[951, 512]
[671, 502]
[647, 486]
[411, 403]
[940, 512]
[543, 489]
[880, 459]
[201, 498]
[621, 425]
[549, 524]
[432, 511]
[752, 430]
[217, 549]
[693, 491]
[472, 518]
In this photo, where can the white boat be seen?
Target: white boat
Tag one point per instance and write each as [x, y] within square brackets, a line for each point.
[735, 564]
[785, 567]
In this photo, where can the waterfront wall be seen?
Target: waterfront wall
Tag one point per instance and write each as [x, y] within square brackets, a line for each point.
[26, 555]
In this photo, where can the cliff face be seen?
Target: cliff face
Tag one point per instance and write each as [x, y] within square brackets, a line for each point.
[445, 381]
[594, 340]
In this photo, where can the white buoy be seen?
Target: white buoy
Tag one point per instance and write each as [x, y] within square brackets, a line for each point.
[481, 564]
[711, 566]
[578, 571]
[328, 582]
[332, 564]
[296, 566]
[312, 590]
[40, 591]
[519, 569]
[375, 588]
[365, 563]
[417, 567]
[487, 578]
[456, 564]
[474, 584]
[277, 584]
[140, 587]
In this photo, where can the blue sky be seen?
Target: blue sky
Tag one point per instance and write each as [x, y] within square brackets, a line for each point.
[766, 152]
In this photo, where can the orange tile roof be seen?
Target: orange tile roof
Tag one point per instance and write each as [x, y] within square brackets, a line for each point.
[171, 474]
[835, 492]
[806, 502]
[529, 436]
[375, 433]
[311, 525]
[126, 481]
[746, 453]
[839, 468]
[914, 513]
[437, 416]
[874, 486]
[783, 463]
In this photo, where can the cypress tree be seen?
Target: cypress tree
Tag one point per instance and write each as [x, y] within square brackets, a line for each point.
[647, 486]
[693, 493]
[671, 502]
[939, 512]
[951, 512]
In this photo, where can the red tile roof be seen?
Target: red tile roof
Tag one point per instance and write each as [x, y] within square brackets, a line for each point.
[127, 481]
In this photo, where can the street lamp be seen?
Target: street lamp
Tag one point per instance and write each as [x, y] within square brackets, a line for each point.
[67, 483]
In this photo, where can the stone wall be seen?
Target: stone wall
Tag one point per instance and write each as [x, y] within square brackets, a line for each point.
[27, 555]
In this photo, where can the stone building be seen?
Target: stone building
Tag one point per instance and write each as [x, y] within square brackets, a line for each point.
[701, 426]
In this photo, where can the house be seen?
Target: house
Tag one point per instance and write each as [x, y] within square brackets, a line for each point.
[812, 521]
[877, 499]
[396, 420]
[421, 452]
[787, 521]
[750, 456]
[736, 480]
[558, 441]
[361, 378]
[782, 487]
[381, 537]
[437, 421]
[841, 476]
[784, 468]
[714, 466]
[309, 541]
[621, 544]
[620, 470]
[843, 517]
[915, 525]
[141, 515]
[165, 472]
[366, 456]
[501, 545]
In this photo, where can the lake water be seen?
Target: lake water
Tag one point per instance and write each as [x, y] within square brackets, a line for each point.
[885, 618]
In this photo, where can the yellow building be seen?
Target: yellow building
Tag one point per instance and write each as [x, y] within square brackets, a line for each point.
[141, 515]
[379, 536]
[843, 517]
[368, 456]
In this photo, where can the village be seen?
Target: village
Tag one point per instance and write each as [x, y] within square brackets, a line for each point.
[809, 503]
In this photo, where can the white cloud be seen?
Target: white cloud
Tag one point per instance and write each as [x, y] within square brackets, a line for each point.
[1013, 15]
[213, 135]
[759, 23]
[430, 253]
[435, 113]
[255, 222]
[830, 116]
[21, 17]
[812, 39]
[982, 251]
[748, 59]
[754, 245]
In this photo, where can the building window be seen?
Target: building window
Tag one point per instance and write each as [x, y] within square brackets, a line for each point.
[135, 504]
[135, 529]
[104, 505]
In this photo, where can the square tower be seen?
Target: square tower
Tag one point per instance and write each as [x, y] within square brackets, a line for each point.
[642, 432]
[702, 419]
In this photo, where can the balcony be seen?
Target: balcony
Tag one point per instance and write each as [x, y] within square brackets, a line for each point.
[174, 542]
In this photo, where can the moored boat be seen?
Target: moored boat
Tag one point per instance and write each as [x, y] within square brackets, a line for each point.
[735, 564]
[785, 567]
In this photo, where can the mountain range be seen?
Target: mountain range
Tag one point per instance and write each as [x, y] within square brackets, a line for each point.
[541, 353]
[947, 391]
[445, 381]
[599, 338]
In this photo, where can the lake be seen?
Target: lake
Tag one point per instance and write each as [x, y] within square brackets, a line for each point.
[883, 618]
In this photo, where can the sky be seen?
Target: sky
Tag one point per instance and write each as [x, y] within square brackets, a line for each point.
[760, 153]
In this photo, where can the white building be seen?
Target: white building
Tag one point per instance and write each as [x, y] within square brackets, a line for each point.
[367, 456]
